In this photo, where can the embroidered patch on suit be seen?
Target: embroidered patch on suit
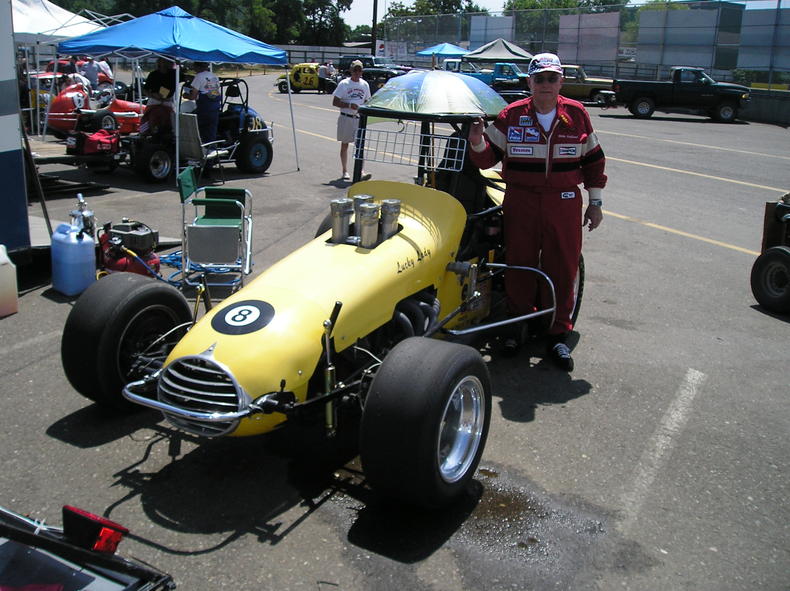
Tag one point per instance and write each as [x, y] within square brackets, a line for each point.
[567, 195]
[521, 150]
[531, 134]
[515, 135]
[566, 150]
[525, 121]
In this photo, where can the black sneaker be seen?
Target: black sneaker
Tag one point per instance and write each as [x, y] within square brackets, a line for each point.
[561, 356]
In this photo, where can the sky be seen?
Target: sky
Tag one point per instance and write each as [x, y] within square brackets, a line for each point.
[361, 12]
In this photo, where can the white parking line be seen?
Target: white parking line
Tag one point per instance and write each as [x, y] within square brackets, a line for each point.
[659, 447]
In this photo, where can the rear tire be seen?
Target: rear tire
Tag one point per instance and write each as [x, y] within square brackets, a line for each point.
[425, 422]
[254, 154]
[642, 107]
[111, 324]
[770, 279]
[154, 163]
[540, 325]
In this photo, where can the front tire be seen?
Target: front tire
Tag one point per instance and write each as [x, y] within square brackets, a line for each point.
[725, 112]
[254, 154]
[111, 336]
[642, 107]
[282, 86]
[425, 422]
[770, 279]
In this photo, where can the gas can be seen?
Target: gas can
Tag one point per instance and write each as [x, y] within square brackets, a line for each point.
[73, 260]
[9, 300]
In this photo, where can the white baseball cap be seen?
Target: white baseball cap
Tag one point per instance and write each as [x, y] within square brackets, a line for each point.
[544, 62]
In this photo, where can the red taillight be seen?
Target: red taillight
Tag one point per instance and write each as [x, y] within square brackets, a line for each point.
[91, 531]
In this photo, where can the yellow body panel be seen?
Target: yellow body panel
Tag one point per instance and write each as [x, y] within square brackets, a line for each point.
[303, 287]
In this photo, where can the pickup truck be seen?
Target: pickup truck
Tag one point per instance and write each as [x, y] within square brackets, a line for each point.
[502, 76]
[687, 89]
[368, 61]
[578, 85]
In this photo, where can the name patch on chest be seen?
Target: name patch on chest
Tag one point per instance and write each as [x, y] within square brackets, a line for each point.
[525, 121]
[521, 150]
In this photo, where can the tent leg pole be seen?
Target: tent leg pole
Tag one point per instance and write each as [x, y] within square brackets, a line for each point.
[293, 124]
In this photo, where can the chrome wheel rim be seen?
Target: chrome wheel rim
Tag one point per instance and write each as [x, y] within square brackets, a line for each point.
[160, 165]
[776, 280]
[461, 429]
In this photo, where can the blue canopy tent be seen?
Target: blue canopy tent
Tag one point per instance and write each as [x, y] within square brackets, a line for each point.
[444, 50]
[177, 35]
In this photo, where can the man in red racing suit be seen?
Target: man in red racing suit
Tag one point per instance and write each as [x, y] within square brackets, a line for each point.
[547, 147]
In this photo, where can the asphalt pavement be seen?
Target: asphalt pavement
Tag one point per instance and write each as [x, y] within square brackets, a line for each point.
[660, 463]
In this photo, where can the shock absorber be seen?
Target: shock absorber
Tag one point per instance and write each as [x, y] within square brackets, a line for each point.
[330, 377]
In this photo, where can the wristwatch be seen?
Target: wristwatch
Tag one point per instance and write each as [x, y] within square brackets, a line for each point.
[596, 202]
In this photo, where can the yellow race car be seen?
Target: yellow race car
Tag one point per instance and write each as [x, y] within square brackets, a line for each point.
[305, 77]
[369, 320]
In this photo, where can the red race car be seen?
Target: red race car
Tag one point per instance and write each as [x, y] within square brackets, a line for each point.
[75, 109]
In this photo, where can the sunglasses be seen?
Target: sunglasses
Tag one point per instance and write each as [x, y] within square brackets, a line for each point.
[550, 78]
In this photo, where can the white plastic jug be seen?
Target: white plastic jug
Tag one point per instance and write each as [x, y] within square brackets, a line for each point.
[9, 300]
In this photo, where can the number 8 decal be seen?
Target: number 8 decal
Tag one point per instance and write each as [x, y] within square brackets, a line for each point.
[243, 317]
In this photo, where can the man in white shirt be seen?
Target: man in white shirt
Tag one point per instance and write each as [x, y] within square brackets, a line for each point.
[323, 73]
[208, 97]
[350, 94]
[90, 69]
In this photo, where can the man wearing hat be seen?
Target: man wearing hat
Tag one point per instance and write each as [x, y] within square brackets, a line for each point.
[350, 94]
[547, 147]
[206, 93]
[90, 69]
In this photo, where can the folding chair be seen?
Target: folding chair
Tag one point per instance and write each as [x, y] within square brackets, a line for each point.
[194, 151]
[218, 238]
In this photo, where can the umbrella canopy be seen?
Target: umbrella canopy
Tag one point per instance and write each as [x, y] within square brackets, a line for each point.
[499, 50]
[175, 33]
[444, 50]
[436, 92]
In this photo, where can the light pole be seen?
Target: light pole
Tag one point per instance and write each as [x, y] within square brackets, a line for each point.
[373, 28]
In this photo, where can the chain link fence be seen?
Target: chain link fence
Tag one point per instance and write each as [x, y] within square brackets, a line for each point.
[745, 43]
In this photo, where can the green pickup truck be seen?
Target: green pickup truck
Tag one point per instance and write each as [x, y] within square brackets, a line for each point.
[687, 89]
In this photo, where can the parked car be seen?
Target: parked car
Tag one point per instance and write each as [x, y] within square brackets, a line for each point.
[499, 76]
[578, 85]
[303, 77]
[687, 89]
[368, 61]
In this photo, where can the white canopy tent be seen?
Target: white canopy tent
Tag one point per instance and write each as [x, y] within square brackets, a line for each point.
[41, 21]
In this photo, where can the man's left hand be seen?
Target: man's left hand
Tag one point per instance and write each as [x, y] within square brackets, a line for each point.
[593, 216]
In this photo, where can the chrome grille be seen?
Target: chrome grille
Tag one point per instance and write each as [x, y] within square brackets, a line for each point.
[200, 384]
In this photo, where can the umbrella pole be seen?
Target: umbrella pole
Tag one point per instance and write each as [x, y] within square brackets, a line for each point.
[293, 123]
